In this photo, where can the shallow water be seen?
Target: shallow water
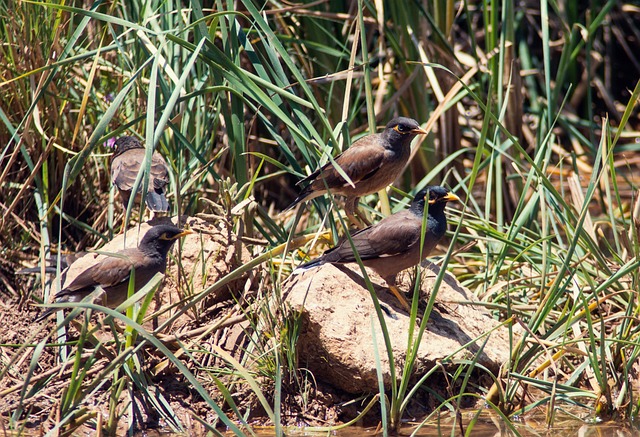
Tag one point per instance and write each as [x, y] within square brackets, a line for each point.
[481, 430]
[488, 425]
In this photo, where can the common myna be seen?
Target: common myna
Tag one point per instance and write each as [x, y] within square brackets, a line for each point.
[393, 244]
[112, 273]
[125, 165]
[372, 163]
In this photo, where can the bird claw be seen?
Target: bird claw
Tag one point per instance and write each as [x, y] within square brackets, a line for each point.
[388, 312]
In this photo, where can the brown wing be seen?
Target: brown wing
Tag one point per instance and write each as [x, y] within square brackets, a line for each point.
[159, 174]
[108, 272]
[125, 168]
[360, 161]
[395, 234]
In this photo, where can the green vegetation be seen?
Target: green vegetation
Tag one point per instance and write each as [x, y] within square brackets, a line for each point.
[533, 113]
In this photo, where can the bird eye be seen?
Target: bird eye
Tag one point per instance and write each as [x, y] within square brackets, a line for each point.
[400, 128]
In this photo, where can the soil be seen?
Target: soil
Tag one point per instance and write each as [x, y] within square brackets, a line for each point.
[235, 319]
[35, 378]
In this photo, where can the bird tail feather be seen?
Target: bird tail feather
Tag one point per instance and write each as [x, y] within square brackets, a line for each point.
[306, 194]
[157, 202]
[299, 199]
[45, 314]
[308, 266]
[309, 178]
[36, 270]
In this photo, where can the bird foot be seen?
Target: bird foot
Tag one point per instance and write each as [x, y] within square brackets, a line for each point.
[403, 300]
[360, 221]
[351, 209]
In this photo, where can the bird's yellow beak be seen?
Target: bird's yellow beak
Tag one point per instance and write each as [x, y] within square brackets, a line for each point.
[183, 233]
[450, 197]
[419, 131]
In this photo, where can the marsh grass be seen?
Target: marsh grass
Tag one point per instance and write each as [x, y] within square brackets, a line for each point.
[534, 121]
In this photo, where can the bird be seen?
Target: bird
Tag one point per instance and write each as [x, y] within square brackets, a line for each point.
[394, 243]
[372, 163]
[112, 273]
[125, 165]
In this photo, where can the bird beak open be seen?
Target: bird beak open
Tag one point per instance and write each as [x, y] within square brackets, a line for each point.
[419, 131]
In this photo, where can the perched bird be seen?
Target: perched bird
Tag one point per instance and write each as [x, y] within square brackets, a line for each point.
[112, 273]
[372, 163]
[393, 244]
[125, 165]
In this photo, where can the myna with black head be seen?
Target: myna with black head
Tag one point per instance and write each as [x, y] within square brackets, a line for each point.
[393, 244]
[113, 273]
[125, 165]
[372, 163]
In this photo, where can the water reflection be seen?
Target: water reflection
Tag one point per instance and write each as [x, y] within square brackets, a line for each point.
[486, 424]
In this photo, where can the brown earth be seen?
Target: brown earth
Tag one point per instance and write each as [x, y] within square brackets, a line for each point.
[204, 257]
[334, 350]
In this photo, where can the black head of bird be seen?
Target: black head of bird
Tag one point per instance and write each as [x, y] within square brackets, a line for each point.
[400, 131]
[433, 199]
[159, 239]
[125, 143]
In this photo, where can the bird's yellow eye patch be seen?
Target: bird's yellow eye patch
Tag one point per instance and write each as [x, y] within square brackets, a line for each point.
[400, 129]
[164, 236]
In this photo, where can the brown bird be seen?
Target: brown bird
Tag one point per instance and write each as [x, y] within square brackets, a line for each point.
[372, 163]
[112, 273]
[393, 244]
[125, 165]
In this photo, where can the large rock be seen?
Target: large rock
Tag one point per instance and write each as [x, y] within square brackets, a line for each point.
[336, 341]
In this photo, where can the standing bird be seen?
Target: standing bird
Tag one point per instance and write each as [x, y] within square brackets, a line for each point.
[125, 165]
[372, 163]
[393, 244]
[113, 272]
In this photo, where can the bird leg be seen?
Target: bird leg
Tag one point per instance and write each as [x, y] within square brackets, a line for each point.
[400, 297]
[350, 208]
